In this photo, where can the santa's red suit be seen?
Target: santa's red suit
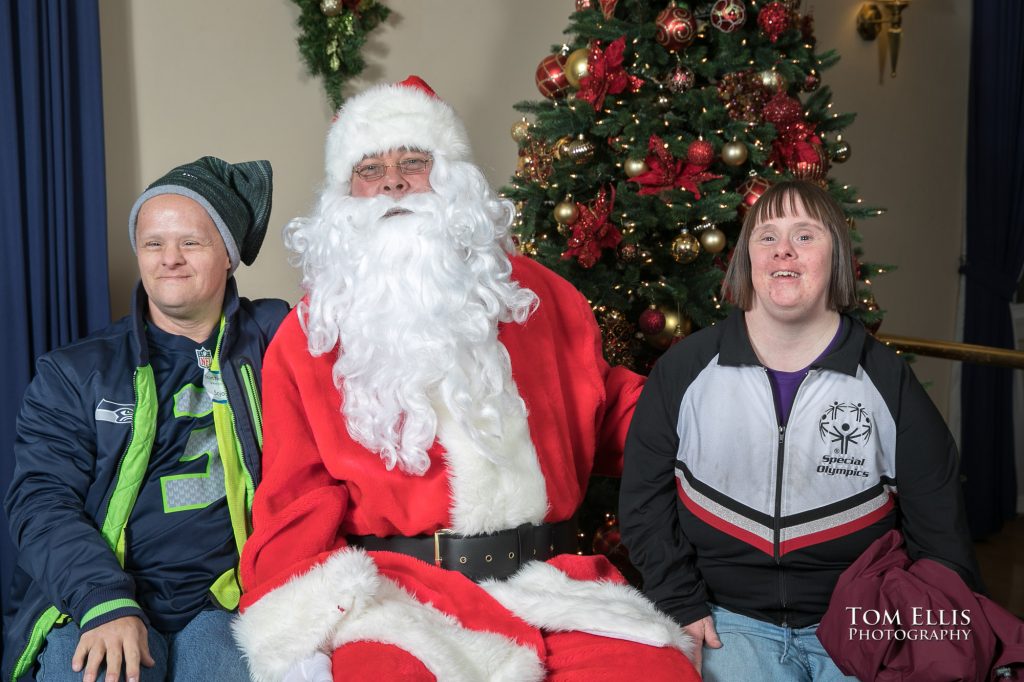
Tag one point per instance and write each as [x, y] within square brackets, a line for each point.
[392, 616]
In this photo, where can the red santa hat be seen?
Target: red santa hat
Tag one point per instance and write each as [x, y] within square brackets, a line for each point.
[390, 116]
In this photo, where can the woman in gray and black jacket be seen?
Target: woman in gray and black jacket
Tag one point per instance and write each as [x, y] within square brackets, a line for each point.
[768, 451]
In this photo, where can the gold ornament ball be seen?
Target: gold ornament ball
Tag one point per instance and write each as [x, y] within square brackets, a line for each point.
[576, 66]
[840, 151]
[676, 326]
[685, 248]
[772, 80]
[565, 212]
[579, 151]
[713, 240]
[734, 153]
[634, 167]
[521, 130]
[330, 8]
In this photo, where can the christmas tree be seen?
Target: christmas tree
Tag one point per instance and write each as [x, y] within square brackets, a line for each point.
[660, 125]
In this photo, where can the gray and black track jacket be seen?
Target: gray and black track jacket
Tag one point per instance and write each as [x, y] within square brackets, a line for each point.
[721, 504]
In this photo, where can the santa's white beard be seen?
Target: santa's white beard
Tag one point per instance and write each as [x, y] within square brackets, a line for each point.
[414, 300]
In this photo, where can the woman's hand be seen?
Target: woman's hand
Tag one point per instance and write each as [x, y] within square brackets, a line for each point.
[703, 633]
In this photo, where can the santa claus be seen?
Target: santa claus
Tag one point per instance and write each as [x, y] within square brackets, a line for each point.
[434, 408]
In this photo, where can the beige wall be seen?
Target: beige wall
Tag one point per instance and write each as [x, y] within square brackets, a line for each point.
[193, 77]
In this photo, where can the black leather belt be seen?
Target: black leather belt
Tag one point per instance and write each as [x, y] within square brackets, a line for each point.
[493, 555]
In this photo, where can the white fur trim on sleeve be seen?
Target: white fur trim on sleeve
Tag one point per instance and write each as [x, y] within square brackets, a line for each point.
[448, 650]
[299, 618]
[547, 598]
[346, 600]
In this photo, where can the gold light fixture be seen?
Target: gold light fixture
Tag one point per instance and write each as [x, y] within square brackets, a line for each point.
[871, 18]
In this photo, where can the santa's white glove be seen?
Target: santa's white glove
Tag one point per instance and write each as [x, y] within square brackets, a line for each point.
[316, 668]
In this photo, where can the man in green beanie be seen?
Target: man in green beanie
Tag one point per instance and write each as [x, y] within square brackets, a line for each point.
[138, 451]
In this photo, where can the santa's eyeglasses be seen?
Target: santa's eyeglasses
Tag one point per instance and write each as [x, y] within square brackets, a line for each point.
[411, 166]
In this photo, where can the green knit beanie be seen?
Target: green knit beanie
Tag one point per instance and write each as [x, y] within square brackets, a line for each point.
[236, 195]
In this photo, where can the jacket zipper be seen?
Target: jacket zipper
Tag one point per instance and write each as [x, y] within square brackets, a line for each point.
[777, 518]
[249, 483]
[778, 522]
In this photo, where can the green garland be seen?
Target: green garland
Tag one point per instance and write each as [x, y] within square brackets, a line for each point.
[332, 34]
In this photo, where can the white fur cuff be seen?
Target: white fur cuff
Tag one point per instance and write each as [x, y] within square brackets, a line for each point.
[547, 598]
[346, 600]
[299, 618]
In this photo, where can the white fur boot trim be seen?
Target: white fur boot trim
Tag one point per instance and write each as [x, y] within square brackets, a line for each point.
[548, 599]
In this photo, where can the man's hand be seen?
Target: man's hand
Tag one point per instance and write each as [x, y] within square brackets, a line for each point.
[703, 633]
[122, 641]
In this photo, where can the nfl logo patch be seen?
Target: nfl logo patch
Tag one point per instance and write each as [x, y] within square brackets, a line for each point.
[204, 358]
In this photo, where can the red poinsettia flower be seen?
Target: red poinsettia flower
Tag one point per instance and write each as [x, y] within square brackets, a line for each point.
[605, 74]
[592, 232]
[665, 172]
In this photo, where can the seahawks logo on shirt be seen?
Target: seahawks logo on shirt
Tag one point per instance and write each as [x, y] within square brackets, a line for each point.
[115, 413]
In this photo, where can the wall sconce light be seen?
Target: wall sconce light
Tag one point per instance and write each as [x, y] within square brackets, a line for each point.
[871, 18]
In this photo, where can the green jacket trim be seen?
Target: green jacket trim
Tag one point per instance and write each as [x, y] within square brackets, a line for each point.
[107, 607]
[40, 630]
[134, 463]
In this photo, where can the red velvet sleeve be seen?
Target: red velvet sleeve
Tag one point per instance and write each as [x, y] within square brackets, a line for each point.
[299, 506]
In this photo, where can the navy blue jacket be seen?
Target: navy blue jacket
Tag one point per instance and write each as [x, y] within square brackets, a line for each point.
[84, 434]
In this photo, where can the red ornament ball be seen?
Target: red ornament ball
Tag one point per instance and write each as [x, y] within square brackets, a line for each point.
[750, 191]
[811, 82]
[628, 253]
[677, 28]
[680, 80]
[551, 79]
[584, 5]
[700, 153]
[774, 20]
[783, 110]
[814, 168]
[651, 322]
[728, 15]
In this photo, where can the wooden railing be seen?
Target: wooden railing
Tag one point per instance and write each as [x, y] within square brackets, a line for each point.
[965, 352]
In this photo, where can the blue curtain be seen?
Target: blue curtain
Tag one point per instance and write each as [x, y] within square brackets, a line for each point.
[53, 264]
[995, 255]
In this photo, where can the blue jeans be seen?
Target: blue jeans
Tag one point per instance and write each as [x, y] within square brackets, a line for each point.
[755, 650]
[204, 650]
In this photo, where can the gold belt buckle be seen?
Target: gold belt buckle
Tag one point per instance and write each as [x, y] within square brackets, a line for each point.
[437, 544]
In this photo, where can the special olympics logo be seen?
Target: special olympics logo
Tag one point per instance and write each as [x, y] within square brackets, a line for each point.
[844, 424]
